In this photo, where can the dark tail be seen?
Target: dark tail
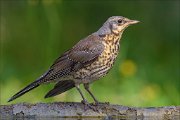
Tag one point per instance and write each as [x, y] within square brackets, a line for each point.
[30, 86]
[25, 90]
[60, 87]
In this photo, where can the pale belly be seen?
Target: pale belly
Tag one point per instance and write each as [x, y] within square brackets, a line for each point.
[99, 68]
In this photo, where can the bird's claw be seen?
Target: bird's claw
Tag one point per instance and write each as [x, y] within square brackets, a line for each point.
[97, 103]
[88, 105]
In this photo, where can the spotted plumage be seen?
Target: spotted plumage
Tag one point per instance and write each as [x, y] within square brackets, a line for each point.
[89, 60]
[104, 62]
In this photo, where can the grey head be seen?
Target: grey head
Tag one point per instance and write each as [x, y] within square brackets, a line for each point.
[116, 25]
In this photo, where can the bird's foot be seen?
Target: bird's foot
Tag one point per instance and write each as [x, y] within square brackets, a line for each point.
[88, 105]
[97, 103]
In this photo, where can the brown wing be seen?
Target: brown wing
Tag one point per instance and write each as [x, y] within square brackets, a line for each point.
[83, 53]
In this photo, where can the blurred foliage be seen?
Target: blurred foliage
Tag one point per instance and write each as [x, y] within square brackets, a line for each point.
[35, 32]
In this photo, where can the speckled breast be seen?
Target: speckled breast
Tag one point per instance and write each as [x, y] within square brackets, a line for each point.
[105, 61]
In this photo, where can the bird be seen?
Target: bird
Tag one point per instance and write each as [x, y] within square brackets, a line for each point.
[87, 61]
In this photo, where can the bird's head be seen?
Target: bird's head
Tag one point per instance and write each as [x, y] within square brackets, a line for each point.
[116, 24]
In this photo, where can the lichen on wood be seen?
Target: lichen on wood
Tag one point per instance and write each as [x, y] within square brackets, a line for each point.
[76, 110]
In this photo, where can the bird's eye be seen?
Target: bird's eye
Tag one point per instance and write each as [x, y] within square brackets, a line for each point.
[120, 21]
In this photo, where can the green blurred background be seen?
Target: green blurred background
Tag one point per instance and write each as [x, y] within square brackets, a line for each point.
[35, 32]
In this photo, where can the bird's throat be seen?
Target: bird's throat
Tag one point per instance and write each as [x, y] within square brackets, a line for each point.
[112, 38]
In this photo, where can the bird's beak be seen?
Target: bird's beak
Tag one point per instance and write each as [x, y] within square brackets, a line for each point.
[132, 21]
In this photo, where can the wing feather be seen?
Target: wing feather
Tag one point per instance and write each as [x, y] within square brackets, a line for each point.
[82, 54]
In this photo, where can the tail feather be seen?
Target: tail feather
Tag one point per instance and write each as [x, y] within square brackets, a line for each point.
[24, 90]
[60, 87]
[30, 86]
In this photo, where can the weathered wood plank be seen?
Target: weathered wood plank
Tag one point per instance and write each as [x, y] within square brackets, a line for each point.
[76, 110]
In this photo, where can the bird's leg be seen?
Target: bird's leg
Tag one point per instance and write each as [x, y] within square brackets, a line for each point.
[84, 101]
[86, 86]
